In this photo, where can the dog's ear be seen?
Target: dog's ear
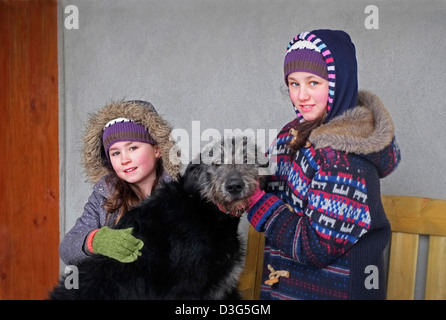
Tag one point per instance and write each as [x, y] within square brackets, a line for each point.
[190, 177]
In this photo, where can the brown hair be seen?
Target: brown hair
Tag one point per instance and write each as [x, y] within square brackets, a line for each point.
[303, 131]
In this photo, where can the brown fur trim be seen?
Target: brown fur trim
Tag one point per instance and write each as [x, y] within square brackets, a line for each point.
[364, 129]
[159, 129]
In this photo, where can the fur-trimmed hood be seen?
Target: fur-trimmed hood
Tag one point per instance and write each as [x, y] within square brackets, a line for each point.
[366, 129]
[139, 111]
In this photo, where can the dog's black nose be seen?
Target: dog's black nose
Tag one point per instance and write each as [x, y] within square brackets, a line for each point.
[234, 185]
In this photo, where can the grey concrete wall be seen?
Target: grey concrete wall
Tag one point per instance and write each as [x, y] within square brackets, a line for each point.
[220, 62]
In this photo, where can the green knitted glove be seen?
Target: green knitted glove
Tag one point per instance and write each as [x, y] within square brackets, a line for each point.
[117, 244]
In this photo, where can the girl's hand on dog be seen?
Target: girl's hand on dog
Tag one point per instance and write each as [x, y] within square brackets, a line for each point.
[120, 245]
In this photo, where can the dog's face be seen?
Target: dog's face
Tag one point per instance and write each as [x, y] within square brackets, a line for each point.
[228, 173]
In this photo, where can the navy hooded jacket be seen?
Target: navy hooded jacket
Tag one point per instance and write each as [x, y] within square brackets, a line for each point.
[322, 214]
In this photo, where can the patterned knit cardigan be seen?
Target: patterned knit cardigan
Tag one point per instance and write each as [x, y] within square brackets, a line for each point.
[322, 217]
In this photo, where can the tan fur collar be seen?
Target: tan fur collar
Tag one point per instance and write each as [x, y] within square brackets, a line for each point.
[365, 129]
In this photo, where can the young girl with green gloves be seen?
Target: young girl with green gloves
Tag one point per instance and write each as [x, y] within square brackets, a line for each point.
[123, 151]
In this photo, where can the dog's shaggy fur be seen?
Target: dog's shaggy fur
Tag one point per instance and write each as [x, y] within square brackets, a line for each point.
[191, 248]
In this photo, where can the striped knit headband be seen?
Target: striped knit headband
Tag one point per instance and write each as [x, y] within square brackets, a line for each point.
[123, 129]
[307, 53]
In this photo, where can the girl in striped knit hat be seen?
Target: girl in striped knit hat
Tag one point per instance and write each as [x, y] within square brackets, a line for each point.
[321, 212]
[124, 145]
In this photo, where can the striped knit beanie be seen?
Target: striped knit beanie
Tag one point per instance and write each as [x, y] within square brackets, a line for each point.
[307, 53]
[123, 129]
[305, 56]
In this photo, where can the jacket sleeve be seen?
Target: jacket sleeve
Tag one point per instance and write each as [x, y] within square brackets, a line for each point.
[333, 217]
[71, 248]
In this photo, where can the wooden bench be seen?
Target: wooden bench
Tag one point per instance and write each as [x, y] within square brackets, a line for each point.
[410, 218]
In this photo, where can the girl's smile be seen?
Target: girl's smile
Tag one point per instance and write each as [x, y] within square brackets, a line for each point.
[130, 170]
[308, 93]
[135, 162]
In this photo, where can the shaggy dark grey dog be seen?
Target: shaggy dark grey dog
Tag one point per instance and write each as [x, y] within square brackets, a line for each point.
[191, 248]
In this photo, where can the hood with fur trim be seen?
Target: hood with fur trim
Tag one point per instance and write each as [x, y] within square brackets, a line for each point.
[366, 130]
[140, 112]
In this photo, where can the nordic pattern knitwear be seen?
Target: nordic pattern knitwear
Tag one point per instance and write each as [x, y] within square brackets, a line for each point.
[322, 213]
[337, 229]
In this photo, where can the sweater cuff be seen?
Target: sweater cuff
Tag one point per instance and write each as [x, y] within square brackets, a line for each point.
[262, 210]
[255, 197]
[90, 240]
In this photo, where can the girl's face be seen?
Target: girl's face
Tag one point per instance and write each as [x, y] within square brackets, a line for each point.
[135, 162]
[309, 94]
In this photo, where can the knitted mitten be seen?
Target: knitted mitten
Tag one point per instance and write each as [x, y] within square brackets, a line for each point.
[117, 244]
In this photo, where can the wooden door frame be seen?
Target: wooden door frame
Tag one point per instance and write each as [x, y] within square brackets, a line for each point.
[29, 174]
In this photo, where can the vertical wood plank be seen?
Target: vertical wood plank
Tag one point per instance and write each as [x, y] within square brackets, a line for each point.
[402, 266]
[29, 227]
[259, 270]
[436, 274]
[249, 277]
